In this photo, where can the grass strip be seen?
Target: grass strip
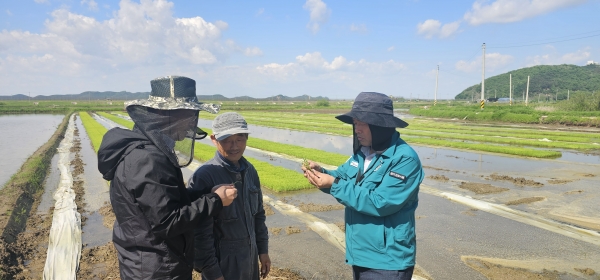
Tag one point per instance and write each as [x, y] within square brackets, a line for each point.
[276, 178]
[502, 140]
[484, 147]
[94, 129]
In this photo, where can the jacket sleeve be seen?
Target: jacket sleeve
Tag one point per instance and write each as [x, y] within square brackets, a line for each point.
[156, 188]
[260, 227]
[340, 172]
[205, 257]
[390, 194]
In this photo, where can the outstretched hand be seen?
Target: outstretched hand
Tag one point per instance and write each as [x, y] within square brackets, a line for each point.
[316, 178]
[227, 193]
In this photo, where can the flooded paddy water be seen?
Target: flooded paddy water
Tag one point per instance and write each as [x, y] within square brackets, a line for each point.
[21, 136]
[455, 241]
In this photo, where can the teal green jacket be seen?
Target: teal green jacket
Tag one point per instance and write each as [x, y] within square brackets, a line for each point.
[380, 209]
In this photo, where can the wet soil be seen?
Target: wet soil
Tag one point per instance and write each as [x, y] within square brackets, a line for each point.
[494, 271]
[520, 181]
[268, 209]
[100, 262]
[525, 200]
[559, 181]
[292, 229]
[480, 188]
[439, 178]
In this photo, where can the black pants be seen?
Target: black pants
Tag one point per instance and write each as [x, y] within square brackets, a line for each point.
[363, 273]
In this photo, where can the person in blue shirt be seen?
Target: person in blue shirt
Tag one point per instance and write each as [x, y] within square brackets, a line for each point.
[379, 186]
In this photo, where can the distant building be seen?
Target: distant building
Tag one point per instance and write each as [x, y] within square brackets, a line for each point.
[591, 62]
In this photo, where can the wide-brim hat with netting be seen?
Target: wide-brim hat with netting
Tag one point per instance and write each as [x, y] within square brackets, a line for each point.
[373, 108]
[172, 93]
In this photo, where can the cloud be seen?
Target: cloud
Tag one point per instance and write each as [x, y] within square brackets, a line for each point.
[140, 40]
[253, 52]
[577, 57]
[315, 66]
[8, 13]
[360, 28]
[493, 61]
[432, 27]
[391, 48]
[505, 11]
[40, 1]
[319, 14]
[260, 11]
[92, 5]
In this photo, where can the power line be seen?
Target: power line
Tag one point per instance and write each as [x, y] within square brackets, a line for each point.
[537, 44]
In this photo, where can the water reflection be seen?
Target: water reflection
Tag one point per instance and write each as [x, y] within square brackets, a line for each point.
[328, 143]
[432, 157]
[17, 143]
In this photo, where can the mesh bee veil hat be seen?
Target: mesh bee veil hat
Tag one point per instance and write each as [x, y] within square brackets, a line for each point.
[169, 117]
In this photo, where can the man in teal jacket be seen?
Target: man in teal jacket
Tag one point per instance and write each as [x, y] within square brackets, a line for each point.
[379, 186]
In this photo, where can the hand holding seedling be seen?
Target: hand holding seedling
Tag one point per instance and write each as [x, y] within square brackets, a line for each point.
[310, 165]
[316, 178]
[227, 193]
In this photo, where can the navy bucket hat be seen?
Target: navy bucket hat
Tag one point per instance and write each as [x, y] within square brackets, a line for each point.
[373, 108]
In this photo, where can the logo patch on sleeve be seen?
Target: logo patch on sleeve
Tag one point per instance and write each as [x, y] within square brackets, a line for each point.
[396, 175]
[354, 163]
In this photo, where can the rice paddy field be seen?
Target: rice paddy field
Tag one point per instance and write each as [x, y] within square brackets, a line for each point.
[554, 186]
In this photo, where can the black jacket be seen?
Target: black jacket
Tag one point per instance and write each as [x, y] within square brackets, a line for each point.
[153, 232]
[229, 244]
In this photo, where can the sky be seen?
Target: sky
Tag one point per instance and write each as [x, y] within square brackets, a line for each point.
[262, 48]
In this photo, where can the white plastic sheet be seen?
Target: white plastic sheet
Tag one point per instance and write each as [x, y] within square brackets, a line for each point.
[64, 245]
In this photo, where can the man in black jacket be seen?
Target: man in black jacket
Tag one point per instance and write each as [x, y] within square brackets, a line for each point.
[154, 215]
[229, 245]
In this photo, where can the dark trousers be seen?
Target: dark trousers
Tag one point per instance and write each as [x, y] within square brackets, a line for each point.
[363, 273]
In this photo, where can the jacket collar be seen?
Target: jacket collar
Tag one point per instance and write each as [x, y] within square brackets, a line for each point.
[229, 165]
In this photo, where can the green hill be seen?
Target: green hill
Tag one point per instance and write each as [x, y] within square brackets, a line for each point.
[544, 81]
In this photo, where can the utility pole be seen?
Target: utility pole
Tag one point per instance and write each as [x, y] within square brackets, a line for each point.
[436, 85]
[527, 95]
[483, 79]
[510, 89]
[567, 95]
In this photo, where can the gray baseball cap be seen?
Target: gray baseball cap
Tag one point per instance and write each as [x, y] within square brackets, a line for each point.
[228, 124]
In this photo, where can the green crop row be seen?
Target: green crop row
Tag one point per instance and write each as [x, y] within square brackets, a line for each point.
[273, 177]
[518, 151]
[94, 130]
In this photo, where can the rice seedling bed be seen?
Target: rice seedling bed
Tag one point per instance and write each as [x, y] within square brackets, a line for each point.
[273, 177]
[94, 130]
